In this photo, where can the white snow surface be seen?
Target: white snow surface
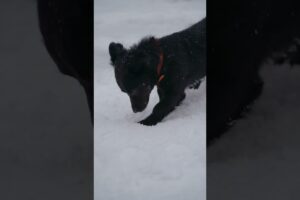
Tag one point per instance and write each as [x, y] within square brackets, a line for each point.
[132, 161]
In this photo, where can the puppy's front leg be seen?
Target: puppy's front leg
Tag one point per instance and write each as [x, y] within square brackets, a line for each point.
[163, 108]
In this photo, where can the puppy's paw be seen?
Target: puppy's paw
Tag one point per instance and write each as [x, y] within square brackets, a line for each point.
[148, 122]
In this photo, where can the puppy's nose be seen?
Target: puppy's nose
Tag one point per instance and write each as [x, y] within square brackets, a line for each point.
[134, 110]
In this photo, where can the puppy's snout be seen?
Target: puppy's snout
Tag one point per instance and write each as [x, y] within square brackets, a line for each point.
[134, 109]
[139, 99]
[138, 104]
[134, 93]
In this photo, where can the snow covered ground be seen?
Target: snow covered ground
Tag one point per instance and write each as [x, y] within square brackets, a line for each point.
[135, 162]
[259, 157]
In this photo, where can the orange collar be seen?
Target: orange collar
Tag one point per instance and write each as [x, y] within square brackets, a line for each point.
[160, 64]
[159, 67]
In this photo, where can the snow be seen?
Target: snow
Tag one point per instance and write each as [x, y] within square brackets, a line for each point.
[132, 161]
[258, 158]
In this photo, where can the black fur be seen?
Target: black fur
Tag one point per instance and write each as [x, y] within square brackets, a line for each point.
[242, 35]
[184, 63]
[67, 29]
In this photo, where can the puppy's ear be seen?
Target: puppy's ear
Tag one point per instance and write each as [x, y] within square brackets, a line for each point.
[115, 51]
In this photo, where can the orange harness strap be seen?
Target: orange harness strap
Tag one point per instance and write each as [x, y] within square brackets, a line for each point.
[159, 67]
[160, 64]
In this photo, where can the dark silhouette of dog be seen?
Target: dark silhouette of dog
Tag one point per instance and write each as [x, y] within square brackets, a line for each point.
[172, 63]
[67, 30]
[242, 35]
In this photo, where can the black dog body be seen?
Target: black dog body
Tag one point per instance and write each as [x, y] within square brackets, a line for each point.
[182, 56]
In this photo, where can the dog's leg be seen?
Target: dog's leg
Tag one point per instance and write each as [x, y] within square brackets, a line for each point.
[181, 99]
[160, 93]
[167, 104]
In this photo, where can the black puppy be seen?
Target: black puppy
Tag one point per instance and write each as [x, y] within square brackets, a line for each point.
[172, 63]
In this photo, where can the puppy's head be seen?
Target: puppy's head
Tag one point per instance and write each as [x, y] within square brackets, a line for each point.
[134, 73]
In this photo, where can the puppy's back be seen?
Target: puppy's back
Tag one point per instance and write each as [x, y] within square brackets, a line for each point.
[188, 48]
